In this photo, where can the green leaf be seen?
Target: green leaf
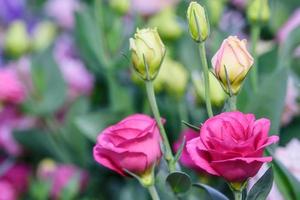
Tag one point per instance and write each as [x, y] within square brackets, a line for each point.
[213, 193]
[262, 187]
[179, 152]
[71, 190]
[269, 100]
[49, 91]
[39, 190]
[195, 128]
[179, 182]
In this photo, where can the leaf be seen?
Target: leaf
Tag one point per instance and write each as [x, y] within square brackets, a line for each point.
[71, 190]
[49, 91]
[179, 182]
[195, 128]
[213, 193]
[179, 152]
[262, 187]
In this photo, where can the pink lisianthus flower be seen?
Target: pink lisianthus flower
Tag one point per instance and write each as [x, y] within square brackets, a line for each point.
[185, 158]
[291, 107]
[60, 176]
[17, 176]
[231, 145]
[7, 192]
[63, 12]
[132, 144]
[146, 7]
[11, 119]
[12, 90]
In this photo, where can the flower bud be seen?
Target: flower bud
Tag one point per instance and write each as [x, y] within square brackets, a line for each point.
[43, 35]
[147, 53]
[217, 94]
[198, 22]
[167, 24]
[173, 78]
[120, 6]
[233, 56]
[215, 10]
[258, 11]
[17, 40]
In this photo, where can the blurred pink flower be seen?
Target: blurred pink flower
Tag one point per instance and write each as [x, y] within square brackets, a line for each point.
[11, 119]
[291, 107]
[146, 7]
[61, 175]
[239, 3]
[185, 158]
[79, 79]
[17, 176]
[11, 87]
[63, 11]
[292, 23]
[7, 192]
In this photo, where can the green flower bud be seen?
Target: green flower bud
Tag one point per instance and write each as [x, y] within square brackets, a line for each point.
[215, 10]
[43, 35]
[147, 53]
[258, 11]
[17, 40]
[167, 24]
[120, 6]
[173, 78]
[198, 22]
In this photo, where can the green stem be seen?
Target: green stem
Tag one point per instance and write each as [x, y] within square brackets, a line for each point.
[206, 78]
[168, 152]
[255, 33]
[232, 103]
[238, 195]
[182, 110]
[153, 192]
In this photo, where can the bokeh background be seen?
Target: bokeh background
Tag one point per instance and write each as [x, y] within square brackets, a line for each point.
[65, 75]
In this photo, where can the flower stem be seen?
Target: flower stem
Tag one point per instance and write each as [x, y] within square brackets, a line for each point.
[232, 103]
[152, 100]
[206, 77]
[153, 192]
[255, 32]
[238, 195]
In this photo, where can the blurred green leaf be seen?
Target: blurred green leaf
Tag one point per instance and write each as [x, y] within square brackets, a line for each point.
[261, 189]
[213, 193]
[49, 91]
[179, 182]
[39, 190]
[71, 190]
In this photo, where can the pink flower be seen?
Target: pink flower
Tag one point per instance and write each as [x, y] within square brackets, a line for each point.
[231, 145]
[61, 175]
[17, 176]
[11, 88]
[292, 23]
[239, 3]
[11, 119]
[63, 11]
[185, 158]
[146, 7]
[7, 192]
[80, 81]
[132, 144]
[291, 107]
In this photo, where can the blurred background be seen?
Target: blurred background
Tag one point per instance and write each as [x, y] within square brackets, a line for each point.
[65, 75]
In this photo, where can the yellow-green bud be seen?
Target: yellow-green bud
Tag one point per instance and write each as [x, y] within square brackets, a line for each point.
[215, 10]
[217, 94]
[167, 24]
[43, 35]
[121, 6]
[147, 53]
[198, 22]
[173, 78]
[258, 11]
[17, 40]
